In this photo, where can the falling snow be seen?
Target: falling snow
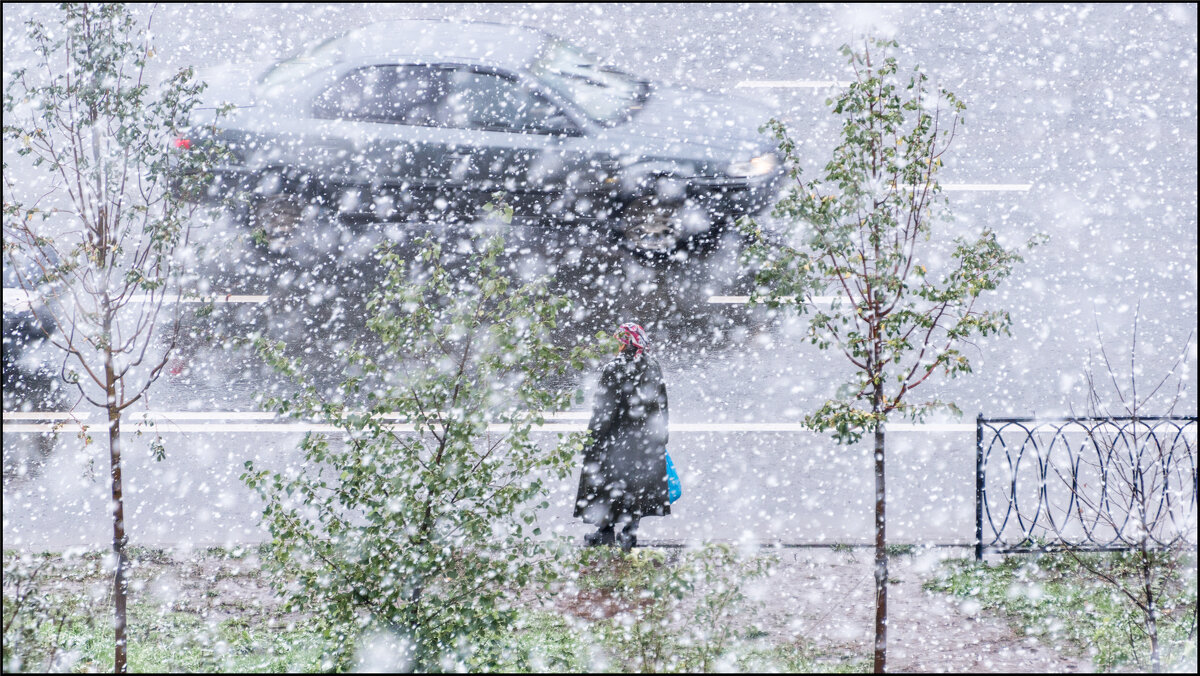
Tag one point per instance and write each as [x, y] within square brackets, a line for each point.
[627, 141]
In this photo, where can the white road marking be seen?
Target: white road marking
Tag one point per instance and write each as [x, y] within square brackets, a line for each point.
[569, 415]
[45, 415]
[299, 427]
[201, 415]
[302, 427]
[791, 84]
[220, 298]
[218, 415]
[206, 427]
[742, 300]
[931, 427]
[987, 187]
[15, 297]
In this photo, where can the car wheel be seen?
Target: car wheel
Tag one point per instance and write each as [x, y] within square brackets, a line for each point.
[651, 227]
[274, 220]
[706, 242]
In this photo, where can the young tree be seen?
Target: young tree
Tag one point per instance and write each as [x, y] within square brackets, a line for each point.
[1146, 491]
[415, 536]
[107, 252]
[894, 319]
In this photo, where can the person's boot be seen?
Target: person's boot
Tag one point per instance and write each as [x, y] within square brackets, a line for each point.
[603, 536]
[627, 538]
[627, 541]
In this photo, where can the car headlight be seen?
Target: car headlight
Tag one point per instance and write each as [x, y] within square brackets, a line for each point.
[755, 166]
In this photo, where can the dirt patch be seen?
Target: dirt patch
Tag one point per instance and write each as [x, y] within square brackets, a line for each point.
[826, 599]
[594, 604]
[217, 585]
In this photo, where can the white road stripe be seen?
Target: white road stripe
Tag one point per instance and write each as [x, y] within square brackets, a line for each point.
[300, 428]
[931, 427]
[791, 84]
[218, 415]
[220, 298]
[202, 415]
[569, 415]
[564, 415]
[45, 415]
[987, 187]
[293, 427]
[742, 300]
[18, 297]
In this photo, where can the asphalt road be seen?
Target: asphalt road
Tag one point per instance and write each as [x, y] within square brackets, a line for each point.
[1081, 124]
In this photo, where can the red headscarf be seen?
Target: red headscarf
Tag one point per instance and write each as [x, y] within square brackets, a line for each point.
[632, 334]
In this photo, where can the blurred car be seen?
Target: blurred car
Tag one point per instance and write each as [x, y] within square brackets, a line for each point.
[428, 119]
[30, 378]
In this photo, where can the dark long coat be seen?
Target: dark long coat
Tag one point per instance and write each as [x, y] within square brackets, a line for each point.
[625, 468]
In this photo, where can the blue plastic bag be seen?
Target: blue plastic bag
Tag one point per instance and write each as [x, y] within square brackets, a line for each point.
[674, 488]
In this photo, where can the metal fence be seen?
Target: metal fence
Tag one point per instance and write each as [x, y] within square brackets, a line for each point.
[1093, 484]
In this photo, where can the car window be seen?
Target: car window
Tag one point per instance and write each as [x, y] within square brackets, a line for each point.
[606, 95]
[481, 101]
[435, 96]
[395, 94]
[493, 102]
[318, 57]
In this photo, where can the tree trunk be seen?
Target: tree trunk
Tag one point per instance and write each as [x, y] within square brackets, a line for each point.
[1152, 608]
[881, 562]
[120, 583]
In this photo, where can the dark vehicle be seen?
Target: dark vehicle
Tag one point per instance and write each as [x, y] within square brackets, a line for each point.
[30, 378]
[427, 119]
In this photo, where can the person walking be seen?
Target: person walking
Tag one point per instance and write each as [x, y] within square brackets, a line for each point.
[624, 474]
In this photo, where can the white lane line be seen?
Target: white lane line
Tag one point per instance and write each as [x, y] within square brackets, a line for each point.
[791, 84]
[300, 428]
[221, 298]
[987, 187]
[201, 415]
[742, 300]
[15, 296]
[569, 415]
[192, 427]
[931, 427]
[221, 415]
[564, 415]
[45, 415]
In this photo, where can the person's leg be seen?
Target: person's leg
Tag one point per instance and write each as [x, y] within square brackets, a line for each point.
[604, 535]
[632, 527]
[626, 535]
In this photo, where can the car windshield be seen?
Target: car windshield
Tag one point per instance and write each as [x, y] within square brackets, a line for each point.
[606, 95]
[318, 57]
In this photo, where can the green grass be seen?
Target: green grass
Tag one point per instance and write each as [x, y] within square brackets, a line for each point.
[71, 619]
[901, 550]
[547, 642]
[206, 630]
[169, 641]
[802, 658]
[1051, 597]
[543, 642]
